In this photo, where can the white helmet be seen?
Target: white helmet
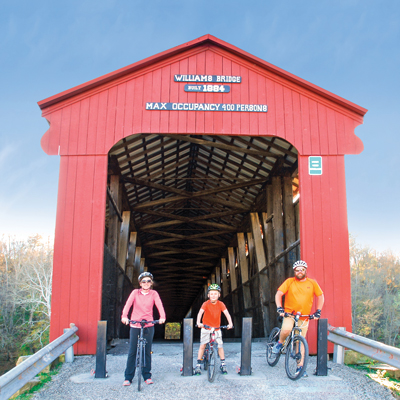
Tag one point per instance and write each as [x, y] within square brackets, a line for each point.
[144, 274]
[300, 263]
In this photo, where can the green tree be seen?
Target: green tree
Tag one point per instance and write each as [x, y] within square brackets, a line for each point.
[375, 279]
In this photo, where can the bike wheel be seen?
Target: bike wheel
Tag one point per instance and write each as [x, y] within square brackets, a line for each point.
[140, 366]
[205, 357]
[296, 353]
[211, 366]
[272, 359]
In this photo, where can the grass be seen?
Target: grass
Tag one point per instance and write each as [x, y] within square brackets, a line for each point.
[44, 377]
[381, 377]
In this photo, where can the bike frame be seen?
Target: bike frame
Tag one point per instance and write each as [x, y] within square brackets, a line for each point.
[209, 351]
[296, 330]
[210, 344]
[295, 346]
[141, 346]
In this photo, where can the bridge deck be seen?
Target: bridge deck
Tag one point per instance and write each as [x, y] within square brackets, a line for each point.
[75, 381]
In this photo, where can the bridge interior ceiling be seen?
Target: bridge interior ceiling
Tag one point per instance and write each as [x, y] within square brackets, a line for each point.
[189, 195]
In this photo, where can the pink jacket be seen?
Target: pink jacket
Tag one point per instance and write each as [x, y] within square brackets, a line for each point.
[143, 306]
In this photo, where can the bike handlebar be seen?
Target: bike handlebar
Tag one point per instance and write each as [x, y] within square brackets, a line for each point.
[309, 316]
[143, 322]
[218, 327]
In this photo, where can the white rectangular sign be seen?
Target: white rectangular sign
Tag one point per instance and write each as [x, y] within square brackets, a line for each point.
[315, 165]
[207, 107]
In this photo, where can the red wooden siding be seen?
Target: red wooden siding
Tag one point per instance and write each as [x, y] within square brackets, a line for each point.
[85, 122]
[324, 236]
[119, 110]
[78, 248]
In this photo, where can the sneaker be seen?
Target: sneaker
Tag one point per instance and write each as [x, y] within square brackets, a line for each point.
[305, 375]
[277, 348]
[148, 381]
[197, 370]
[223, 369]
[126, 383]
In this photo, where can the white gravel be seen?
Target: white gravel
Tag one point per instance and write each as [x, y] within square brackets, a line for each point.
[74, 381]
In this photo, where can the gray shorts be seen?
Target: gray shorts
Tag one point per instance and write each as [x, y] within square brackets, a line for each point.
[205, 336]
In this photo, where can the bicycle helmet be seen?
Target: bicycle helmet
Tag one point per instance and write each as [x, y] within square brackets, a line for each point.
[144, 274]
[300, 263]
[214, 286]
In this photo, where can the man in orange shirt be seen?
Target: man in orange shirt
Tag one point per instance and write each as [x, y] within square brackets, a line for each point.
[212, 310]
[299, 296]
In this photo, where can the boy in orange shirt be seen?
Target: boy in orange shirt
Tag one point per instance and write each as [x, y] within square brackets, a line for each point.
[211, 312]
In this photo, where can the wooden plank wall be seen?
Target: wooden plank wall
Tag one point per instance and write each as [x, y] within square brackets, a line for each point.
[324, 245]
[116, 289]
[324, 236]
[85, 127]
[78, 249]
[253, 279]
[92, 122]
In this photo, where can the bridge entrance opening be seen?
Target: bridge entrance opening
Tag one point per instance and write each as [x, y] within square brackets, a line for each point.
[201, 209]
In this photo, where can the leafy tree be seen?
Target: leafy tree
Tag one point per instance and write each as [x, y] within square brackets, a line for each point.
[375, 294]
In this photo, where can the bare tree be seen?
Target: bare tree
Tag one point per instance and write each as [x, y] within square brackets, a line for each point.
[25, 293]
[34, 291]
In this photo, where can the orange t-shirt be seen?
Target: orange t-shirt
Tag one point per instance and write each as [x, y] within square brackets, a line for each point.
[299, 295]
[212, 313]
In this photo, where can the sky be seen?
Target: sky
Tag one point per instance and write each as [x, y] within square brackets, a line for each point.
[348, 47]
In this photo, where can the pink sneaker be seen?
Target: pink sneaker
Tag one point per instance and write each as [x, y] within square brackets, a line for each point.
[126, 383]
[149, 381]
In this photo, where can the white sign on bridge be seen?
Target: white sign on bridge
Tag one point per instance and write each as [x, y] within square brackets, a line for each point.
[315, 165]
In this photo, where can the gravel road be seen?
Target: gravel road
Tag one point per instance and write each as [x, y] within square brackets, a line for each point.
[74, 381]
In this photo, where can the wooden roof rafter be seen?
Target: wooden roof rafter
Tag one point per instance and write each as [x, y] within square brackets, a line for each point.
[190, 194]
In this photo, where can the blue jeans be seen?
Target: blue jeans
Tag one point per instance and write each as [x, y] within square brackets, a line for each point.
[148, 334]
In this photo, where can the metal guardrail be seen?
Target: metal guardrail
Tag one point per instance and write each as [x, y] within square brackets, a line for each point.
[15, 379]
[370, 348]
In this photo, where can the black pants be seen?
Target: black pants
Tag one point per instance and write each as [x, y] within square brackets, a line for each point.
[148, 334]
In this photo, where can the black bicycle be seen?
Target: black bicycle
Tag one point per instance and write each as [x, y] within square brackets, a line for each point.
[140, 353]
[295, 347]
[209, 353]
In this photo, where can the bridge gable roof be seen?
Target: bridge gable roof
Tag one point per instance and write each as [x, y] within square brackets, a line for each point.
[199, 44]
[314, 120]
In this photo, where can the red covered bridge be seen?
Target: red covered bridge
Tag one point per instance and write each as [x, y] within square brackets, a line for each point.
[200, 164]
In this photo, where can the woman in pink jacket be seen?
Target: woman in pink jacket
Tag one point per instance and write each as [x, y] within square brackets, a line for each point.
[142, 300]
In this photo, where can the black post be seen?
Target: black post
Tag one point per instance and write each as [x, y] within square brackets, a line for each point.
[322, 348]
[245, 364]
[101, 350]
[187, 347]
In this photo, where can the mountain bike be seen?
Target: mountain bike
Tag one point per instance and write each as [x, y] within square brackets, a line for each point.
[295, 347]
[209, 353]
[140, 353]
